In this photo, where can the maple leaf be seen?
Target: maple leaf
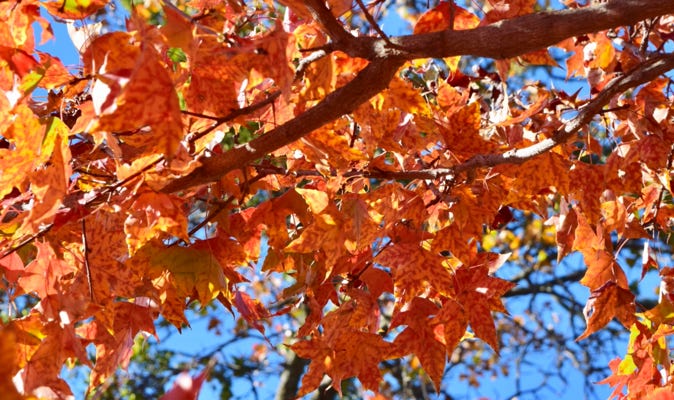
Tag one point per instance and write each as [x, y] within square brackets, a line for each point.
[341, 351]
[605, 303]
[113, 350]
[402, 95]
[508, 9]
[251, 310]
[19, 61]
[13, 268]
[151, 213]
[475, 207]
[218, 73]
[40, 369]
[420, 337]
[566, 225]
[172, 303]
[74, 9]
[50, 185]
[186, 387]
[446, 15]
[191, 271]
[450, 99]
[416, 270]
[377, 281]
[451, 323]
[26, 133]
[638, 371]
[538, 176]
[17, 30]
[134, 93]
[8, 365]
[273, 214]
[601, 265]
[588, 186]
[178, 28]
[112, 332]
[329, 144]
[479, 294]
[616, 380]
[106, 248]
[335, 232]
[44, 275]
[539, 57]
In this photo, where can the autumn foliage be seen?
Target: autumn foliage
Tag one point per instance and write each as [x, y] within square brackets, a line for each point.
[205, 138]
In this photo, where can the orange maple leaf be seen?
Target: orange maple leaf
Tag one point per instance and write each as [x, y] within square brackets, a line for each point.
[597, 254]
[605, 303]
[480, 294]
[421, 337]
[416, 270]
[251, 310]
[134, 94]
[152, 214]
[8, 364]
[341, 352]
[446, 15]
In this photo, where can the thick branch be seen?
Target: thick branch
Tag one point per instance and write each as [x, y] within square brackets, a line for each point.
[370, 81]
[507, 38]
[513, 37]
[290, 377]
[330, 24]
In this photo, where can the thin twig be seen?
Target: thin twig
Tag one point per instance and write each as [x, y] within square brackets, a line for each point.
[232, 115]
[452, 14]
[87, 269]
[373, 23]
[648, 71]
[109, 189]
[670, 161]
[329, 22]
[306, 61]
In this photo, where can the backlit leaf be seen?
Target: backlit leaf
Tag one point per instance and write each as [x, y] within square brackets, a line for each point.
[605, 303]
[190, 271]
[446, 15]
[74, 9]
[136, 96]
[150, 214]
[416, 270]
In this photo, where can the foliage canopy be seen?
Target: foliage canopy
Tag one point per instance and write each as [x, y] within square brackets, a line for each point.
[378, 183]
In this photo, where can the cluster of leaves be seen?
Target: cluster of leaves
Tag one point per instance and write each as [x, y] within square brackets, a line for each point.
[366, 170]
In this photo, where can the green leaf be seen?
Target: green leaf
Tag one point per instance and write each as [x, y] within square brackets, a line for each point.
[176, 54]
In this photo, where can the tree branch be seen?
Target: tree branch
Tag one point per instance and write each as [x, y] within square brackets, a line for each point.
[503, 39]
[370, 81]
[328, 21]
[306, 61]
[648, 71]
[545, 287]
[517, 36]
[290, 377]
